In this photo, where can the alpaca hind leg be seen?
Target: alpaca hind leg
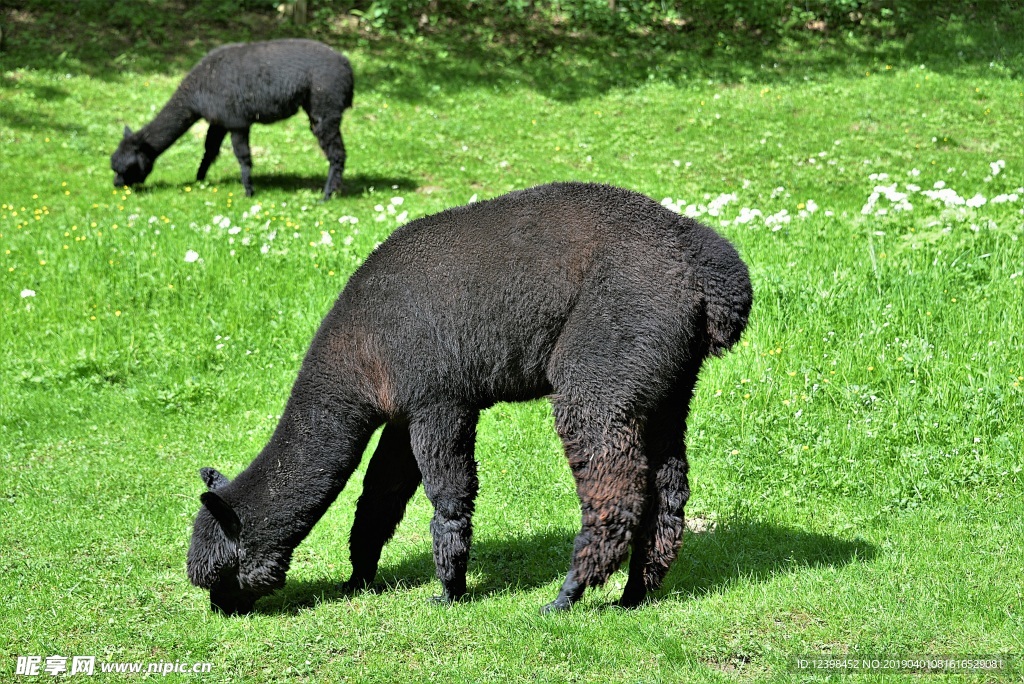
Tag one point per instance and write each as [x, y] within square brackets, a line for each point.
[240, 144]
[328, 134]
[660, 534]
[442, 441]
[391, 479]
[610, 470]
[616, 357]
[214, 138]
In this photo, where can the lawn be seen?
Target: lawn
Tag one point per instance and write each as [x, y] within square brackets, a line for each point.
[855, 460]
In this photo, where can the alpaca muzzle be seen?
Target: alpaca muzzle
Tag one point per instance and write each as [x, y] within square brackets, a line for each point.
[229, 599]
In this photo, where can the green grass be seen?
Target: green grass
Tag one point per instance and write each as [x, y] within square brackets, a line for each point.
[858, 452]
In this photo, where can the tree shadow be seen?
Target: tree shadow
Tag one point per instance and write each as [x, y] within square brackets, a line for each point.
[28, 118]
[354, 185]
[712, 561]
[563, 62]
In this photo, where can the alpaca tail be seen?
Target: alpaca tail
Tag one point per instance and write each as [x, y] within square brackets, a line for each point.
[728, 295]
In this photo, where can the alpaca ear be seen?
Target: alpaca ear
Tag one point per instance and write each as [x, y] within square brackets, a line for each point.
[212, 478]
[223, 514]
[127, 131]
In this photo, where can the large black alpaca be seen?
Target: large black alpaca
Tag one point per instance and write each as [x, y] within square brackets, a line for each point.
[236, 86]
[594, 296]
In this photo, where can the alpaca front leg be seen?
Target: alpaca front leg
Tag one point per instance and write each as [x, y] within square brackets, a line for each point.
[240, 144]
[214, 138]
[442, 442]
[391, 479]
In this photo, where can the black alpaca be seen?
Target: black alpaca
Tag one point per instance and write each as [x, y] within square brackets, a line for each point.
[594, 296]
[236, 86]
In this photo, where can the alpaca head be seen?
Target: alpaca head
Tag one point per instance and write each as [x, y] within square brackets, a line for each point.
[224, 559]
[132, 160]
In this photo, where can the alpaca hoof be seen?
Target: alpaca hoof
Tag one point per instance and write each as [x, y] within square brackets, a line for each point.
[629, 602]
[448, 597]
[631, 598]
[353, 586]
[557, 606]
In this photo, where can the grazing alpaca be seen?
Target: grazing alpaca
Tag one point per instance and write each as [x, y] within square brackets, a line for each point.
[236, 86]
[594, 296]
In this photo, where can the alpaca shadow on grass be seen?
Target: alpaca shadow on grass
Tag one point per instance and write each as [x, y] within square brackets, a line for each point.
[355, 185]
[709, 562]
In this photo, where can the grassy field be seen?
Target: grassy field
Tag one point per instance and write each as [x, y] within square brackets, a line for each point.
[855, 461]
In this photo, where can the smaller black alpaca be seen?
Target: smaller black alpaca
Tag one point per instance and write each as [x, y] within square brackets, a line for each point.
[594, 296]
[237, 85]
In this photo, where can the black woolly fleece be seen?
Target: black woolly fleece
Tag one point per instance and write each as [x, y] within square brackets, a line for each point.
[594, 296]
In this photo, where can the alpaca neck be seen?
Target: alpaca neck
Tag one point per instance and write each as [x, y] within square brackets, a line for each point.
[169, 125]
[310, 457]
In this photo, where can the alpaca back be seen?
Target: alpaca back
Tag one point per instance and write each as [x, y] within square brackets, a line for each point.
[473, 300]
[244, 83]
